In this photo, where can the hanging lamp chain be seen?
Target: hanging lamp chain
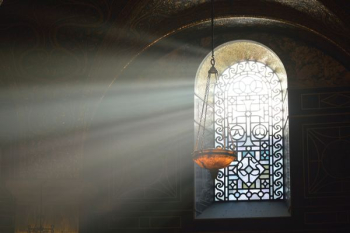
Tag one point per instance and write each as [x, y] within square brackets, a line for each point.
[212, 29]
[212, 34]
[212, 71]
[200, 135]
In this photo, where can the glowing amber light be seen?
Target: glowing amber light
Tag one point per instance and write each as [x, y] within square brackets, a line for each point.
[214, 159]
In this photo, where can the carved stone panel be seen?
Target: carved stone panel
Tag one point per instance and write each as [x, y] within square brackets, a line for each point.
[327, 160]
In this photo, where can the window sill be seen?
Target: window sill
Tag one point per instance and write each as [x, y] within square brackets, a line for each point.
[263, 209]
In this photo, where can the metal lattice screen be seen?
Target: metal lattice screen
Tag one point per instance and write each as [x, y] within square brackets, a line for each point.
[248, 104]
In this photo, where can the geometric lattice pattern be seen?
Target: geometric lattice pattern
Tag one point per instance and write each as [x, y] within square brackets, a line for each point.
[248, 114]
[326, 159]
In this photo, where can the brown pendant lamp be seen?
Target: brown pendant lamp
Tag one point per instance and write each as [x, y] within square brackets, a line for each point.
[205, 154]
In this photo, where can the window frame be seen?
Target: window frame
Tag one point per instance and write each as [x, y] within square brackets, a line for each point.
[226, 55]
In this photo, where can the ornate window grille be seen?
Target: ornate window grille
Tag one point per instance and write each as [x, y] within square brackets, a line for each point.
[248, 104]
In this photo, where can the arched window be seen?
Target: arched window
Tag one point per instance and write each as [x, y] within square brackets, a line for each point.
[251, 106]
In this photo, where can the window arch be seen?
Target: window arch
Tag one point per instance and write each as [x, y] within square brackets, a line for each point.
[251, 104]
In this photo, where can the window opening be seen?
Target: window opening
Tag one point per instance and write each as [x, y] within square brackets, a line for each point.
[250, 103]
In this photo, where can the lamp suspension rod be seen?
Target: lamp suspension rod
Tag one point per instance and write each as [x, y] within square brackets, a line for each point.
[212, 30]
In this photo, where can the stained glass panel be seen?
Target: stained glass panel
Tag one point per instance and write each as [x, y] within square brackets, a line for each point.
[248, 105]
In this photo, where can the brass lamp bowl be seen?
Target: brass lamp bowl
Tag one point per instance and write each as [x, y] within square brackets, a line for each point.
[214, 159]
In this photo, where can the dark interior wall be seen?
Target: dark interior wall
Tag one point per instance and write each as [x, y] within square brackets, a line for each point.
[104, 124]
